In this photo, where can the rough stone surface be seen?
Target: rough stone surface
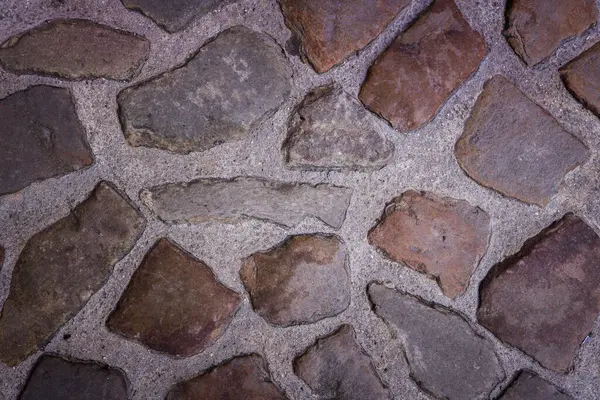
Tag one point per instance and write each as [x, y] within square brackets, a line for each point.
[336, 367]
[581, 76]
[409, 82]
[535, 28]
[446, 357]
[331, 130]
[244, 377]
[512, 145]
[218, 96]
[174, 303]
[299, 281]
[62, 266]
[528, 386]
[40, 136]
[76, 49]
[441, 237]
[545, 298]
[228, 200]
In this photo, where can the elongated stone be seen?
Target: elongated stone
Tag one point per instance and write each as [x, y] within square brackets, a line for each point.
[581, 76]
[528, 386]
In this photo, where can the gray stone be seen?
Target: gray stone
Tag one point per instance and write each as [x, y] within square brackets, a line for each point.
[528, 386]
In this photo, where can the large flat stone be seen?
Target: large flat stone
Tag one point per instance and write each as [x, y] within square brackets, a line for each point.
[528, 386]
[228, 87]
[581, 76]
[512, 145]
[62, 266]
[410, 81]
[76, 49]
[41, 137]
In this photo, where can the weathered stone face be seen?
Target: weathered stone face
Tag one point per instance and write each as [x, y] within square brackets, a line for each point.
[581, 76]
[528, 386]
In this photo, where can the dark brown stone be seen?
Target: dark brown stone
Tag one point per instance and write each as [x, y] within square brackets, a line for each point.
[441, 237]
[410, 81]
[41, 137]
[512, 145]
[545, 299]
[528, 386]
[581, 76]
[1, 256]
[336, 367]
[174, 303]
[300, 281]
[76, 49]
[62, 266]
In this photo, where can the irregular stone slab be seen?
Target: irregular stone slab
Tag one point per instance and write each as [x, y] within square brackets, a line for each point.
[535, 28]
[446, 357]
[441, 237]
[528, 386]
[174, 303]
[62, 266]
[41, 137]
[54, 378]
[244, 377]
[410, 81]
[231, 84]
[76, 49]
[300, 281]
[331, 30]
[545, 299]
[513, 146]
[581, 76]
[336, 367]
[331, 130]
[228, 200]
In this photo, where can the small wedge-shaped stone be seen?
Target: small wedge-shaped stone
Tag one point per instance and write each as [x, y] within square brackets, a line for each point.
[41, 137]
[581, 76]
[446, 357]
[545, 298]
[412, 79]
[61, 267]
[231, 84]
[300, 281]
[441, 237]
[174, 303]
[528, 386]
[331, 130]
[336, 367]
[54, 378]
[245, 377]
[76, 49]
[228, 200]
[512, 145]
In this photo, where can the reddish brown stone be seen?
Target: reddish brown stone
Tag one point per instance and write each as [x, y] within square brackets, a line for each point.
[581, 76]
[1, 256]
[545, 299]
[528, 386]
[441, 237]
[411, 80]
[174, 303]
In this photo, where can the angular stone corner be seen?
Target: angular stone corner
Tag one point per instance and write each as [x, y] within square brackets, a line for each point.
[411, 80]
[331, 130]
[581, 77]
[62, 266]
[337, 367]
[441, 237]
[174, 303]
[41, 137]
[528, 386]
[446, 357]
[513, 146]
[545, 298]
[76, 49]
[218, 96]
[300, 281]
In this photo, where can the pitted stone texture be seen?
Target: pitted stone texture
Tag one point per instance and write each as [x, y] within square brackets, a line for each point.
[446, 357]
[174, 303]
[410, 81]
[300, 281]
[228, 87]
[229, 200]
[76, 49]
[545, 299]
[62, 266]
[331, 130]
[441, 237]
[54, 378]
[336, 367]
[512, 145]
[581, 76]
[528, 386]
[41, 137]
[244, 377]
[535, 28]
